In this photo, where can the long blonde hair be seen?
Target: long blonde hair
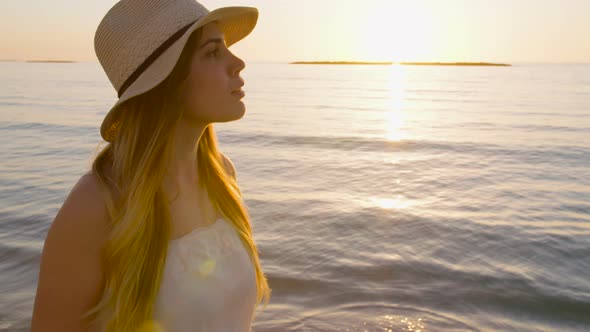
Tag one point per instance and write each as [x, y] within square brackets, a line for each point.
[130, 170]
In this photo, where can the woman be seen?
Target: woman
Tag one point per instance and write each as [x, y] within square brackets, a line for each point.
[156, 236]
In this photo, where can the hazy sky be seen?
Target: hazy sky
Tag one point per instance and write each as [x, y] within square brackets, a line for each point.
[372, 30]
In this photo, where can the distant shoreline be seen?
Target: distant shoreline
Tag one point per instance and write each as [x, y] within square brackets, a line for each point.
[455, 64]
[401, 63]
[52, 61]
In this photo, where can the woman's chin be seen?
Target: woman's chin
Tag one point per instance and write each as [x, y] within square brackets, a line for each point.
[241, 109]
[236, 112]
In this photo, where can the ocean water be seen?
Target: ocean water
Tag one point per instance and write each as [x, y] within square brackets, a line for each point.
[383, 198]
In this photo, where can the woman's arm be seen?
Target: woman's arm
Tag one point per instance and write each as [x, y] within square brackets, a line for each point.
[70, 275]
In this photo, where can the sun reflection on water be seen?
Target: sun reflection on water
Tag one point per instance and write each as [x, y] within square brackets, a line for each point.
[395, 118]
[390, 203]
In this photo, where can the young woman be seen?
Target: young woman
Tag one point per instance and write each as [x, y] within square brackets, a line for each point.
[156, 236]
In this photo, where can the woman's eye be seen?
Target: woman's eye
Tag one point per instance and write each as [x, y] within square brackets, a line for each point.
[214, 52]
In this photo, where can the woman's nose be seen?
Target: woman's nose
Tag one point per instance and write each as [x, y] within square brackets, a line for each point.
[238, 65]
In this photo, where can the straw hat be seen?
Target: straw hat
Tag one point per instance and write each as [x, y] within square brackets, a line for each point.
[138, 43]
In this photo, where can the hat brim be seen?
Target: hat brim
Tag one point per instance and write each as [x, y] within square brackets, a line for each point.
[235, 22]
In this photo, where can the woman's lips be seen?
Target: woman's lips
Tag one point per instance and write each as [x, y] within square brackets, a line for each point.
[238, 93]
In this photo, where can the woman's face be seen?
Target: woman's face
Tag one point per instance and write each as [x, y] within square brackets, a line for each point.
[214, 74]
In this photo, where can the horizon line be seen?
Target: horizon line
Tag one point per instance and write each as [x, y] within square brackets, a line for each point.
[289, 61]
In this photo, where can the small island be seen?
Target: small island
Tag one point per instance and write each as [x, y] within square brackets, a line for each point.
[400, 63]
[453, 64]
[51, 61]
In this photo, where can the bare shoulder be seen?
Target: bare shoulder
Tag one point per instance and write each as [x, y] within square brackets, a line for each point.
[83, 210]
[229, 165]
[70, 274]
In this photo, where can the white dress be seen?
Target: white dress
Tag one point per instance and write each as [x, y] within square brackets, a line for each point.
[209, 282]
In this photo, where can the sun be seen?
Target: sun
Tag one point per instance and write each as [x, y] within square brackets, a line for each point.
[395, 31]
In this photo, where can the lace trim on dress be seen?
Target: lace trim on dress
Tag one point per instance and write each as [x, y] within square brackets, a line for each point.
[199, 250]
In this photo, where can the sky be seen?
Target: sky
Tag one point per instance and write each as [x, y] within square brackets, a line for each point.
[501, 31]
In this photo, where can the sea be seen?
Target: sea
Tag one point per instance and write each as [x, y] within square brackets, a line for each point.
[382, 197]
